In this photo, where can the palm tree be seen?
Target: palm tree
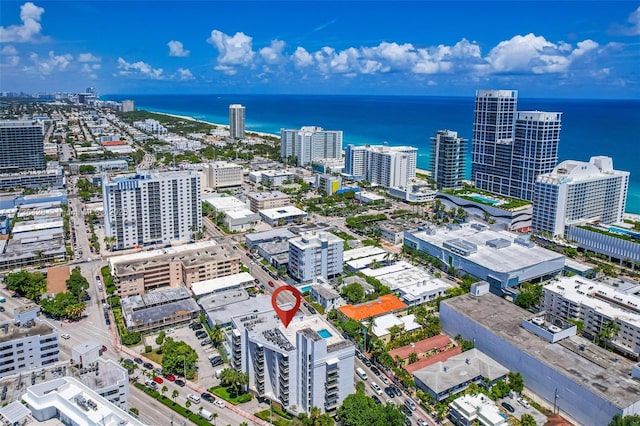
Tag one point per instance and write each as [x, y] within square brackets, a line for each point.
[174, 395]
[215, 416]
[216, 335]
[164, 389]
[413, 357]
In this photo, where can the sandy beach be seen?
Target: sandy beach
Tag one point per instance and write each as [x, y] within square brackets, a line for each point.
[186, 117]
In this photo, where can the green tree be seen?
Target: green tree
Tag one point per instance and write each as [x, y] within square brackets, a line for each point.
[77, 284]
[607, 332]
[632, 420]
[216, 335]
[413, 357]
[500, 389]
[86, 169]
[178, 356]
[27, 284]
[359, 409]
[353, 292]
[174, 395]
[516, 382]
[234, 380]
[527, 420]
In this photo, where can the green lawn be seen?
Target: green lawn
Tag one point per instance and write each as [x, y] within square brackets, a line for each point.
[223, 393]
[275, 420]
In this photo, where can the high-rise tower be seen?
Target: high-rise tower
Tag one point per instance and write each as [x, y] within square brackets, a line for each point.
[21, 146]
[236, 121]
[448, 152]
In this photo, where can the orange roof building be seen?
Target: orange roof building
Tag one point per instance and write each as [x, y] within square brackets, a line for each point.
[113, 143]
[439, 342]
[382, 305]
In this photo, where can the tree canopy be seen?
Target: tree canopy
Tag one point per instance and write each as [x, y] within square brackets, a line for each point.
[359, 409]
[178, 357]
[618, 420]
[27, 284]
[234, 380]
[354, 292]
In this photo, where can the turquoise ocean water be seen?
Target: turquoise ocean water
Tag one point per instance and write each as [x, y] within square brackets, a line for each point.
[589, 127]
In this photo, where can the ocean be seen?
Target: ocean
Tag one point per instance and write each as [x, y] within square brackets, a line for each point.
[589, 127]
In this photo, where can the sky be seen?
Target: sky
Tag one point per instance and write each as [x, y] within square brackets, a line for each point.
[554, 49]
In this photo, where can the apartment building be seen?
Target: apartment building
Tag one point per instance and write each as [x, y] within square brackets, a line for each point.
[307, 364]
[267, 200]
[388, 166]
[310, 143]
[236, 121]
[448, 159]
[27, 343]
[151, 208]
[315, 254]
[21, 146]
[577, 191]
[221, 174]
[139, 273]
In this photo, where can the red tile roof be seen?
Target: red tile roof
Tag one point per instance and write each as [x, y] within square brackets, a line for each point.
[380, 306]
[425, 362]
[113, 143]
[426, 345]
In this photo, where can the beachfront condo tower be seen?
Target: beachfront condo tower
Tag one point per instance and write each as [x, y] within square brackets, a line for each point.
[510, 148]
[151, 208]
[576, 192]
[388, 166]
[309, 144]
[236, 121]
[448, 159]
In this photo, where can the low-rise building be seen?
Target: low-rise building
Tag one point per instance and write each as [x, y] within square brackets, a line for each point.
[501, 258]
[100, 166]
[223, 203]
[328, 184]
[27, 342]
[253, 239]
[240, 220]
[414, 193]
[374, 308]
[221, 174]
[382, 325]
[178, 266]
[393, 230]
[579, 378]
[217, 285]
[450, 377]
[326, 296]
[272, 251]
[159, 309]
[275, 178]
[369, 197]
[67, 398]
[476, 409]
[267, 200]
[281, 216]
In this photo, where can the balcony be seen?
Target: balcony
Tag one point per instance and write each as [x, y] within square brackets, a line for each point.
[331, 387]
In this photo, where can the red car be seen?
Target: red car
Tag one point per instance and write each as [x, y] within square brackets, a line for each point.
[170, 377]
[271, 284]
[158, 380]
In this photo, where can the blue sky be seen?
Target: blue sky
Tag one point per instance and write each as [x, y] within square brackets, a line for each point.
[569, 49]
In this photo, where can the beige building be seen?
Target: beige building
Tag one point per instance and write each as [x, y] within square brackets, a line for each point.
[139, 273]
[221, 174]
[267, 200]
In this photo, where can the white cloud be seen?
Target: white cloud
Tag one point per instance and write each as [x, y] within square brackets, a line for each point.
[233, 51]
[184, 74]
[9, 56]
[88, 57]
[30, 15]
[177, 49]
[139, 69]
[301, 58]
[273, 53]
[49, 64]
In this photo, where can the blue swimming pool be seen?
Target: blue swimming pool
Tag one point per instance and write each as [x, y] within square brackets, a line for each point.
[629, 232]
[485, 199]
[305, 289]
[324, 333]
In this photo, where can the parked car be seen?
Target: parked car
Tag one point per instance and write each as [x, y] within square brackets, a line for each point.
[148, 365]
[180, 382]
[158, 380]
[375, 370]
[271, 284]
[206, 341]
[376, 399]
[220, 403]
[376, 388]
[202, 335]
[406, 410]
[396, 390]
[524, 403]
[422, 422]
[138, 360]
[389, 392]
[170, 377]
[409, 403]
[508, 407]
[65, 336]
[208, 397]
[150, 383]
[193, 398]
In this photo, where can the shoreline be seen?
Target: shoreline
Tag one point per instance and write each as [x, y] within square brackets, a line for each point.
[186, 117]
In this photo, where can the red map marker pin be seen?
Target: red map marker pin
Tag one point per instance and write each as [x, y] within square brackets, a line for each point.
[286, 316]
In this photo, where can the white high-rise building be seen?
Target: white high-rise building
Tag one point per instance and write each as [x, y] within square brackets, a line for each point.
[128, 105]
[221, 174]
[388, 166]
[236, 121]
[151, 207]
[307, 364]
[577, 191]
[448, 152]
[315, 254]
[310, 143]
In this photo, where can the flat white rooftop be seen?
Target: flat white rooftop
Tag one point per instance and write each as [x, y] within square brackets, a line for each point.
[385, 322]
[504, 260]
[363, 262]
[365, 251]
[219, 284]
[603, 299]
[241, 213]
[224, 203]
[126, 258]
[385, 270]
[31, 225]
[282, 212]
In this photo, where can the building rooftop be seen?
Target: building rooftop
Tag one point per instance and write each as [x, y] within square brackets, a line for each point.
[267, 195]
[475, 244]
[223, 203]
[220, 307]
[383, 323]
[325, 291]
[374, 308]
[605, 300]
[572, 171]
[111, 373]
[314, 239]
[9, 330]
[363, 262]
[275, 247]
[158, 306]
[219, 284]
[574, 357]
[36, 225]
[360, 252]
[425, 345]
[241, 213]
[282, 212]
[281, 234]
[69, 397]
[459, 369]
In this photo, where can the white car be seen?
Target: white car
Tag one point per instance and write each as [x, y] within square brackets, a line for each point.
[194, 398]
[219, 403]
[65, 336]
[384, 379]
[376, 388]
[524, 403]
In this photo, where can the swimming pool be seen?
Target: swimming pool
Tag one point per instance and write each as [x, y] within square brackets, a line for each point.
[629, 232]
[485, 199]
[305, 289]
[324, 333]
